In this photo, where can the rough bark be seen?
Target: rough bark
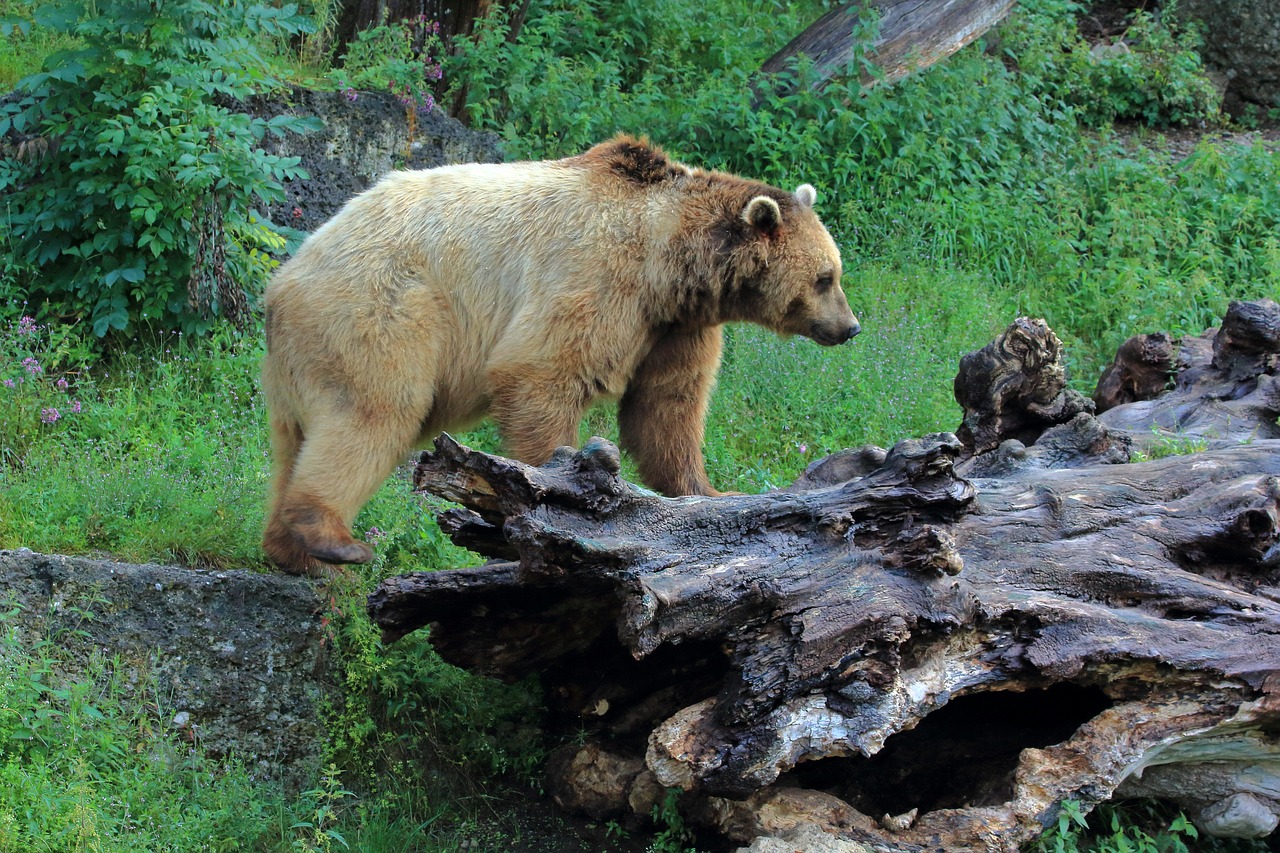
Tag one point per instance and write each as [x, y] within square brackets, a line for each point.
[908, 35]
[931, 647]
[1226, 389]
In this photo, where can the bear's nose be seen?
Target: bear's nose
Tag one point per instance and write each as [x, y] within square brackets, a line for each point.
[851, 331]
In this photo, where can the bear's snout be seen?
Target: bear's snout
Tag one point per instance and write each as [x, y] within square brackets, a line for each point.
[831, 336]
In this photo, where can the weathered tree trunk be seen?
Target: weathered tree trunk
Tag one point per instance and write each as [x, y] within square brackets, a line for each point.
[910, 35]
[963, 631]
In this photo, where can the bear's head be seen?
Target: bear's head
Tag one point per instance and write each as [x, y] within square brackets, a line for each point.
[789, 273]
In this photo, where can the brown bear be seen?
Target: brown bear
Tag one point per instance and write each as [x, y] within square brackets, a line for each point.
[523, 291]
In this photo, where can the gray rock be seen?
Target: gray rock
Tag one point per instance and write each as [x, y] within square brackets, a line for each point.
[237, 657]
[805, 839]
[1242, 39]
[362, 140]
[1241, 815]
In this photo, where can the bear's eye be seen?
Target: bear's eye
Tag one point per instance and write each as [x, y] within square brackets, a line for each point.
[824, 282]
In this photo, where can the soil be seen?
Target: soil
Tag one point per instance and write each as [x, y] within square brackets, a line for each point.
[1179, 142]
[531, 823]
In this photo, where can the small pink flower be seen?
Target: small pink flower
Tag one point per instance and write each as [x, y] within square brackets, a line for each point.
[49, 415]
[9, 383]
[375, 535]
[804, 448]
[32, 366]
[297, 213]
[61, 384]
[27, 326]
[75, 407]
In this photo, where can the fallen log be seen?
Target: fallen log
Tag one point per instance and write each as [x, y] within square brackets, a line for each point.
[930, 647]
[907, 36]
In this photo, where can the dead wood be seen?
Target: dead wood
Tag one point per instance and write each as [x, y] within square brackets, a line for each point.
[907, 36]
[972, 627]
[1226, 389]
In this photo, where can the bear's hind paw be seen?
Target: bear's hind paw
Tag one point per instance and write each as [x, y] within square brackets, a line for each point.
[342, 553]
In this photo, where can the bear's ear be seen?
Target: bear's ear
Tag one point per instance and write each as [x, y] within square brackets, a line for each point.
[806, 195]
[763, 214]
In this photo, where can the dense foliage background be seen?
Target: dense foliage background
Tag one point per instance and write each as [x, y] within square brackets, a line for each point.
[133, 253]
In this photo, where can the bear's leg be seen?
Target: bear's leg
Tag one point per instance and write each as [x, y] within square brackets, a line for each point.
[342, 462]
[281, 546]
[663, 413]
[536, 410]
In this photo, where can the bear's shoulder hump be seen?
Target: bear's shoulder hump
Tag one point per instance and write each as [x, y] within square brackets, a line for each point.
[636, 161]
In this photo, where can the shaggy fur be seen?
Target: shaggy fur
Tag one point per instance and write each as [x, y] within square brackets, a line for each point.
[523, 291]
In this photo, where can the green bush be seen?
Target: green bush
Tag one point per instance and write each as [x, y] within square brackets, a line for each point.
[1153, 74]
[1132, 826]
[401, 56]
[133, 196]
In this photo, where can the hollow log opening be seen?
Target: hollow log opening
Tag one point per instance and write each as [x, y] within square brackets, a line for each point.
[962, 755]
[930, 647]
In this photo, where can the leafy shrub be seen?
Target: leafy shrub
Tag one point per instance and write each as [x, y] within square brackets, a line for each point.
[401, 56]
[581, 71]
[137, 179]
[1133, 826]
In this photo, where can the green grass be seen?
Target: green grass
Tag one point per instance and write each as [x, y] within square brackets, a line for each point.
[165, 458]
[91, 765]
[23, 46]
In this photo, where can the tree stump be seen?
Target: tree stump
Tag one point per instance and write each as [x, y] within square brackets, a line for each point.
[926, 648]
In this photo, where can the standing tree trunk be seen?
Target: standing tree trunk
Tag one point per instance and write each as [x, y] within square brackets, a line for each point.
[931, 647]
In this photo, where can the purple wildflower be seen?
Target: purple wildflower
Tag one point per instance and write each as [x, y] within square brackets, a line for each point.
[49, 415]
[27, 326]
[9, 383]
[375, 535]
[32, 366]
[75, 407]
[61, 384]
